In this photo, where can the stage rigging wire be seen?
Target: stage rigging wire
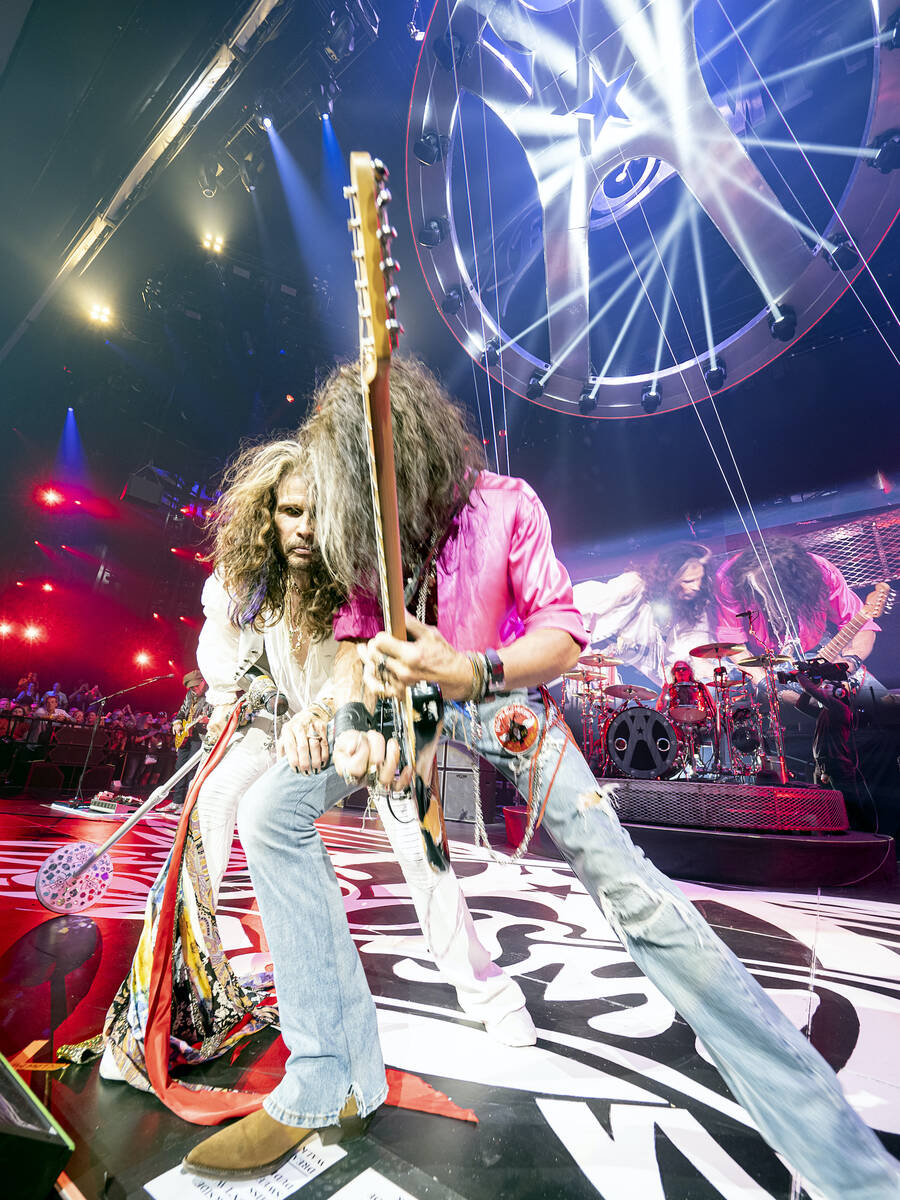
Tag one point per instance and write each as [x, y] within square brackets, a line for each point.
[462, 143]
[487, 171]
[779, 599]
[795, 144]
[865, 264]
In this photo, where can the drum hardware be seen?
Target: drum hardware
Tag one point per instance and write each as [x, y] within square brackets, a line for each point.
[769, 662]
[598, 660]
[764, 660]
[715, 650]
[630, 691]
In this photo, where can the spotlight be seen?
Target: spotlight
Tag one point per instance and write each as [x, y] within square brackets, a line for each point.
[100, 313]
[651, 398]
[844, 257]
[249, 170]
[50, 497]
[784, 326]
[324, 96]
[452, 302]
[587, 401]
[267, 122]
[46, 587]
[430, 148]
[449, 50]
[31, 633]
[433, 232]
[207, 176]
[290, 397]
[490, 355]
[142, 658]
[5, 629]
[716, 375]
[535, 388]
[887, 158]
[213, 242]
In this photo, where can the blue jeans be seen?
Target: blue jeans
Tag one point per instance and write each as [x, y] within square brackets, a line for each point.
[328, 1016]
[784, 1084]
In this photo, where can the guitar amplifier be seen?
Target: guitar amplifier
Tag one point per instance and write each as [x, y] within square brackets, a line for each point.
[33, 1148]
[456, 785]
[456, 781]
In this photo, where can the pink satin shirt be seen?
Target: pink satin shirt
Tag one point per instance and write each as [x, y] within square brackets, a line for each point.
[497, 574]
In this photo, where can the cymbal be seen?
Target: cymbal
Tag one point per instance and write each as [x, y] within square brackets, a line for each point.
[715, 650]
[630, 691]
[764, 660]
[583, 676]
[598, 660]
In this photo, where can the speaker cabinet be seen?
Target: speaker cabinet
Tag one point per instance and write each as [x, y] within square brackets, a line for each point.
[33, 1148]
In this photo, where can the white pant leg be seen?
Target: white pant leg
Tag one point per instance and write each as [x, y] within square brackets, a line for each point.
[245, 761]
[484, 991]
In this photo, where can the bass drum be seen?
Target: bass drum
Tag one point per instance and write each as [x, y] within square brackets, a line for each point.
[642, 744]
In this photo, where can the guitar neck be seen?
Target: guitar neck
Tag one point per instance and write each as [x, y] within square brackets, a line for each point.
[386, 499]
[843, 637]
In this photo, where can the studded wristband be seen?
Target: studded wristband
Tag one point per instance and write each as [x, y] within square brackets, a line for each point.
[353, 716]
[496, 676]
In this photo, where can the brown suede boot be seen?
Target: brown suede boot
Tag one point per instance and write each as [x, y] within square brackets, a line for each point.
[258, 1144]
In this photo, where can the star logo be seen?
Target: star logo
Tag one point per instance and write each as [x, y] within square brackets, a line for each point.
[604, 101]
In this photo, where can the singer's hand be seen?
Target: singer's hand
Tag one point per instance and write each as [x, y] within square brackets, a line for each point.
[304, 742]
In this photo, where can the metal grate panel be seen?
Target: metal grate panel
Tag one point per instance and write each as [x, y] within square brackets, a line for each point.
[730, 806]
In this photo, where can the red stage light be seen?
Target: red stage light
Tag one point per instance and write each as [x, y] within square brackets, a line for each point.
[156, 616]
[186, 509]
[290, 398]
[5, 628]
[31, 633]
[19, 583]
[50, 497]
[46, 587]
[77, 501]
[142, 658]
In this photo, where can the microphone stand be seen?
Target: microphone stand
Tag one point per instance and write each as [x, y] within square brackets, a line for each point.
[77, 800]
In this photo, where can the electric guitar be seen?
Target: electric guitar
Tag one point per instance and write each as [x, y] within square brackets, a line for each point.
[832, 650]
[416, 719]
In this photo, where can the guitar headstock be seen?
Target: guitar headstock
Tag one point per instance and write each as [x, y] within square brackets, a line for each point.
[876, 600]
[373, 235]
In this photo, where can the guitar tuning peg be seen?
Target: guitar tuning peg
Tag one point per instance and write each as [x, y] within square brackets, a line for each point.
[384, 197]
[381, 171]
[349, 190]
[392, 295]
[389, 264]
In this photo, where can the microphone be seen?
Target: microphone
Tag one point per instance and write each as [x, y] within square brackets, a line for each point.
[263, 693]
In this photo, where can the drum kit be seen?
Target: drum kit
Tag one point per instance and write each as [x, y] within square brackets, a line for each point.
[717, 730]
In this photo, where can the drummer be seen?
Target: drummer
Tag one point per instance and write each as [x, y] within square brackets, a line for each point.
[686, 700]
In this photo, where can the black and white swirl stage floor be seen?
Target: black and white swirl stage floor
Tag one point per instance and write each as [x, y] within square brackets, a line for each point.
[617, 1100]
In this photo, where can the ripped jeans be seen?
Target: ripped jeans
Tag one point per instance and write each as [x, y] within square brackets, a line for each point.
[784, 1084]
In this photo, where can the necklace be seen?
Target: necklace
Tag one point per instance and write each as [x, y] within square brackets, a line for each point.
[295, 632]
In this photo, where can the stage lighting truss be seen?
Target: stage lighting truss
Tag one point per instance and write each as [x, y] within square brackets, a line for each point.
[629, 192]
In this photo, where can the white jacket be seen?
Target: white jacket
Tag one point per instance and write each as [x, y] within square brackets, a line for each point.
[225, 654]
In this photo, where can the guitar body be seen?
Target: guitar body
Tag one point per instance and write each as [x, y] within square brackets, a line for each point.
[416, 719]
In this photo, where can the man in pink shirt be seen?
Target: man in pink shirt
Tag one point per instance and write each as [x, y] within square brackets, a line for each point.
[477, 548]
[797, 599]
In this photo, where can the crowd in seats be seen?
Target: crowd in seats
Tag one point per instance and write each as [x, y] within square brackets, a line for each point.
[60, 726]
